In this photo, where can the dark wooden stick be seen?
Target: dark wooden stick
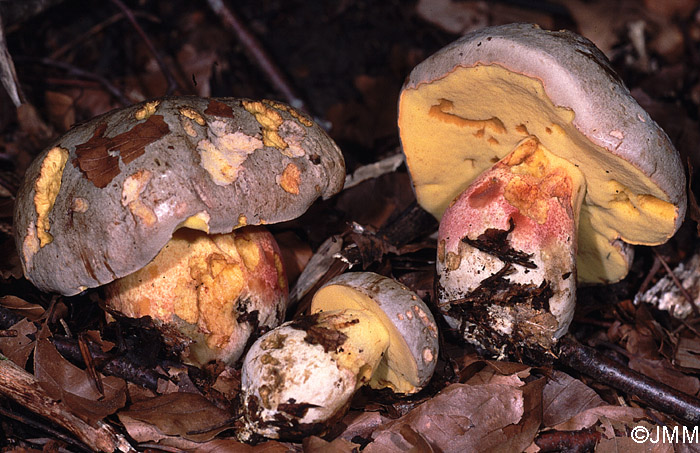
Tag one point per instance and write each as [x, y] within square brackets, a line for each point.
[604, 370]
[257, 52]
[569, 441]
[50, 430]
[23, 388]
[172, 83]
[110, 364]
[78, 72]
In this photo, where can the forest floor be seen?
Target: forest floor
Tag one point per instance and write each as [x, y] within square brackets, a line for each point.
[345, 62]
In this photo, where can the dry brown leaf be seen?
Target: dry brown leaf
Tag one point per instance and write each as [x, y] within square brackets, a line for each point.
[564, 397]
[454, 17]
[33, 312]
[362, 424]
[619, 444]
[61, 110]
[222, 445]
[687, 353]
[603, 21]
[19, 348]
[460, 418]
[607, 416]
[186, 415]
[228, 383]
[233, 446]
[315, 444]
[671, 9]
[662, 371]
[492, 375]
[519, 436]
[64, 381]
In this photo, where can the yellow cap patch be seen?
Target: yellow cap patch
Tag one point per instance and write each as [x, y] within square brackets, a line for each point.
[46, 189]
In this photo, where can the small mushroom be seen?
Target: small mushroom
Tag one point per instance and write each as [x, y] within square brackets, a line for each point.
[543, 170]
[103, 201]
[365, 329]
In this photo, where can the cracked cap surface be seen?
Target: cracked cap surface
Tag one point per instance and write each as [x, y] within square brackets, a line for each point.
[107, 196]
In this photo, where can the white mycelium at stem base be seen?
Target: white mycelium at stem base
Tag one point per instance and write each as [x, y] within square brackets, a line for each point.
[304, 373]
[507, 251]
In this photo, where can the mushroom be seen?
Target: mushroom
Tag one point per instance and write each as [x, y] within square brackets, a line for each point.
[364, 329]
[103, 201]
[543, 170]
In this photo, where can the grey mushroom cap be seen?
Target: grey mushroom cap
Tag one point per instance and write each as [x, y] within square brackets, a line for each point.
[576, 75]
[102, 201]
[403, 311]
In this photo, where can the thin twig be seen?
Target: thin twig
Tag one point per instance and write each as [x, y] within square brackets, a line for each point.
[84, 348]
[95, 29]
[650, 275]
[172, 83]
[78, 72]
[606, 371]
[257, 52]
[45, 428]
[23, 388]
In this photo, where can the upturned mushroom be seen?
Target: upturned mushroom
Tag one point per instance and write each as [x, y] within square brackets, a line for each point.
[543, 170]
[101, 203]
[365, 329]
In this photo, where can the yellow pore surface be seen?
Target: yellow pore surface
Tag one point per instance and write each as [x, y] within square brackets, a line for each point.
[204, 280]
[367, 340]
[398, 369]
[456, 127]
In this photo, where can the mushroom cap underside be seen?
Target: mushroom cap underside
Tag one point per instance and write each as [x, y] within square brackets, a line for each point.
[103, 200]
[470, 104]
[410, 359]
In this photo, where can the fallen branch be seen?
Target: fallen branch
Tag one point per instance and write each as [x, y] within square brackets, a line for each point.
[23, 388]
[172, 83]
[606, 371]
[258, 54]
[107, 363]
[78, 72]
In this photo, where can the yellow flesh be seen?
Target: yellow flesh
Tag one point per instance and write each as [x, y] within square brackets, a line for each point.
[398, 369]
[47, 186]
[199, 221]
[367, 340]
[199, 279]
[456, 127]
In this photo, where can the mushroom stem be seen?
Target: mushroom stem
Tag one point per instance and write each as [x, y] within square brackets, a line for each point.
[208, 293]
[507, 252]
[302, 375]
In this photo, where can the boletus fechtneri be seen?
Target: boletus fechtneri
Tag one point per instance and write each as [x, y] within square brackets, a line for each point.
[543, 170]
[106, 198]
